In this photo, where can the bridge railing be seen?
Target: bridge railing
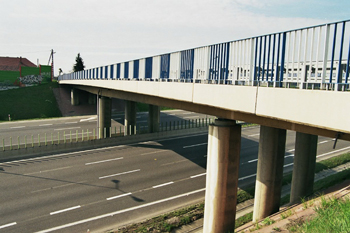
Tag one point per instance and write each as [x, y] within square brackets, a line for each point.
[314, 57]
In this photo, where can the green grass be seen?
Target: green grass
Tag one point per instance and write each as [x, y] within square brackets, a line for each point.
[332, 216]
[29, 103]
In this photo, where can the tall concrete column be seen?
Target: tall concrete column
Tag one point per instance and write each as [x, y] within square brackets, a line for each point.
[104, 116]
[224, 145]
[304, 166]
[74, 97]
[270, 172]
[130, 117]
[153, 118]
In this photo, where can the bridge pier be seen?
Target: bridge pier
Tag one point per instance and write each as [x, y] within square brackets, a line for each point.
[74, 97]
[224, 145]
[104, 116]
[153, 118]
[130, 117]
[304, 166]
[270, 172]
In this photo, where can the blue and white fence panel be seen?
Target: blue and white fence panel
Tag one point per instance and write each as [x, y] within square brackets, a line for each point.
[312, 57]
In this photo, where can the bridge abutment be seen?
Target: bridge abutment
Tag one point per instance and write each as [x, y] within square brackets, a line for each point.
[104, 116]
[269, 172]
[304, 166]
[153, 118]
[224, 145]
[130, 118]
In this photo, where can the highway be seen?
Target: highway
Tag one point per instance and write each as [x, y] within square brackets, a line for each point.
[101, 189]
[75, 127]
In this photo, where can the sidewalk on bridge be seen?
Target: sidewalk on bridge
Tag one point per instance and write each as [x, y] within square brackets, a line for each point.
[247, 206]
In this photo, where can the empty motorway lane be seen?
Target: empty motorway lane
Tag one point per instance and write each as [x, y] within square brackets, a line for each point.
[103, 188]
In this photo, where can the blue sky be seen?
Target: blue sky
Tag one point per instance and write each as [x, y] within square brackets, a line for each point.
[110, 31]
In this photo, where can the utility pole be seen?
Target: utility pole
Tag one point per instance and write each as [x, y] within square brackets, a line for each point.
[51, 58]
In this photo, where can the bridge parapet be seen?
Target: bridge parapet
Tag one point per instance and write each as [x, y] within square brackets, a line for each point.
[308, 58]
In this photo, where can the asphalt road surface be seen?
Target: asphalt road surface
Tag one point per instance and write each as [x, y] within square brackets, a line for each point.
[104, 188]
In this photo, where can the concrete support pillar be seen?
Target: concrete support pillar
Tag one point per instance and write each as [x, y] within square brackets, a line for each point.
[270, 172]
[130, 117]
[104, 116]
[153, 118]
[304, 166]
[224, 145]
[74, 97]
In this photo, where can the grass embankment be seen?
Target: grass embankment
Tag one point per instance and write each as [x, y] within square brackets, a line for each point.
[333, 215]
[167, 222]
[29, 102]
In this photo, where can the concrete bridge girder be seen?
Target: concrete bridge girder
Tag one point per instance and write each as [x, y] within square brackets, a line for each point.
[221, 112]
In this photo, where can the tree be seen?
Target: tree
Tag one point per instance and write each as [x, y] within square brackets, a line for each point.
[79, 64]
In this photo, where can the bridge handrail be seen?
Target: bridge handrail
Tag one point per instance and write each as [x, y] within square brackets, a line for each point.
[314, 57]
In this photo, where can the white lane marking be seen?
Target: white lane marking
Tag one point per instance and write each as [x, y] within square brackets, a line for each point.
[254, 160]
[88, 119]
[203, 174]
[346, 148]
[115, 197]
[291, 150]
[8, 225]
[67, 128]
[65, 210]
[191, 117]
[64, 154]
[323, 142]
[161, 185]
[292, 155]
[120, 211]
[246, 177]
[118, 174]
[153, 152]
[45, 125]
[253, 135]
[56, 169]
[74, 122]
[103, 161]
[17, 127]
[287, 165]
[195, 145]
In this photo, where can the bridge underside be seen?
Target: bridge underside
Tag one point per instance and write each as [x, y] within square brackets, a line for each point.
[221, 112]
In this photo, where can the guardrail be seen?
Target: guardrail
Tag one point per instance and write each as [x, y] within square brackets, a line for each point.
[84, 135]
[308, 58]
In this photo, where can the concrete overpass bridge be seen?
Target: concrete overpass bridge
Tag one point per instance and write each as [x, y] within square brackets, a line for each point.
[294, 80]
